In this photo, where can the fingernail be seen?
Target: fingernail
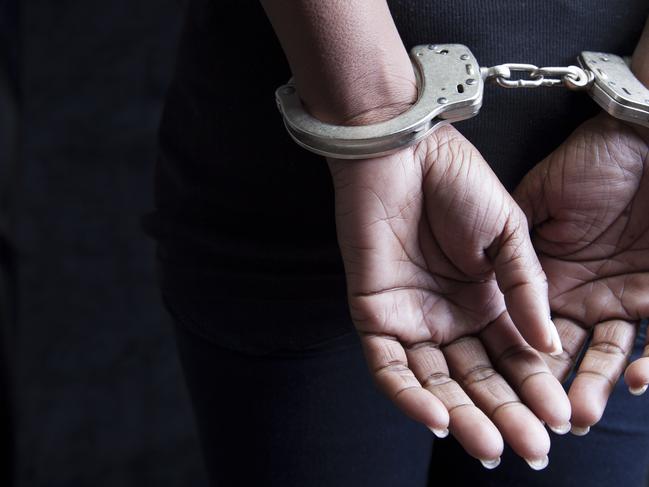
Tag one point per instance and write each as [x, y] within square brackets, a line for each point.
[538, 463]
[562, 429]
[638, 391]
[440, 433]
[579, 431]
[557, 349]
[490, 464]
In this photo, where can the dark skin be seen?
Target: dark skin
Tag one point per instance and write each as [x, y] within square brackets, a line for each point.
[432, 314]
[436, 318]
[588, 209]
[589, 212]
[445, 288]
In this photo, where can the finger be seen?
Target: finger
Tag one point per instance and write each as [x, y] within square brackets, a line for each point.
[524, 369]
[388, 364]
[470, 365]
[530, 195]
[573, 337]
[469, 425]
[600, 369]
[636, 374]
[524, 286]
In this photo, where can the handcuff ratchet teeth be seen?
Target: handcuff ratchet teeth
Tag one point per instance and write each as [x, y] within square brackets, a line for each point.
[450, 89]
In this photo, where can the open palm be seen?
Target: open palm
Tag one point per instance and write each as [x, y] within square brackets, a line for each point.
[588, 204]
[439, 269]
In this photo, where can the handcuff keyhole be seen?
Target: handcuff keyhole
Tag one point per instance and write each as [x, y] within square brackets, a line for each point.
[460, 88]
[443, 51]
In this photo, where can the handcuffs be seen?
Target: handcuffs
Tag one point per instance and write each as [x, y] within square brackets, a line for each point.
[450, 88]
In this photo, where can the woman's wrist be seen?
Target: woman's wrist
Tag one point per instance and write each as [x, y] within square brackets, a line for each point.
[348, 62]
[375, 101]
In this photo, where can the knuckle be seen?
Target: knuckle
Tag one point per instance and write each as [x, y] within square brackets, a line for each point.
[478, 374]
[522, 352]
[608, 348]
[436, 379]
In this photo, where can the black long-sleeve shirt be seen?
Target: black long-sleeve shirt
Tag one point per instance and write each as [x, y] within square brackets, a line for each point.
[243, 214]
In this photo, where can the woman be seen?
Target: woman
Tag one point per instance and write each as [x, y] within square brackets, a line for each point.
[445, 288]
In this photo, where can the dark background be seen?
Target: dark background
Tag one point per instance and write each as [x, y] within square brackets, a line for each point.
[96, 391]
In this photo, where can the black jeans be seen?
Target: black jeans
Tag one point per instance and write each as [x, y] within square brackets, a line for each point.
[309, 418]
[312, 417]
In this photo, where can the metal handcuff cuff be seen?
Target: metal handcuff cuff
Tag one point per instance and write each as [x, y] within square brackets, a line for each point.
[450, 88]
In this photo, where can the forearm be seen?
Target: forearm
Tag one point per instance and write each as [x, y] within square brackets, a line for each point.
[640, 63]
[346, 56]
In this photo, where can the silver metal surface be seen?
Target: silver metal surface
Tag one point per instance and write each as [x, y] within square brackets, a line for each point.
[450, 90]
[572, 77]
[615, 88]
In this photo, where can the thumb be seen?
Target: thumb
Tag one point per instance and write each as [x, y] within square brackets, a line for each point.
[524, 285]
[529, 194]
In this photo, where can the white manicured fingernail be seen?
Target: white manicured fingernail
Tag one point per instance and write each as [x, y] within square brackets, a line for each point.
[538, 463]
[557, 349]
[638, 391]
[440, 433]
[562, 429]
[579, 431]
[490, 464]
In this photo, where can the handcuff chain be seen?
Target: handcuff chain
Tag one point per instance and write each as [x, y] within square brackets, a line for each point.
[572, 77]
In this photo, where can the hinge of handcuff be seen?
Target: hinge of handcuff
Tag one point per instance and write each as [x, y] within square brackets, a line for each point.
[450, 88]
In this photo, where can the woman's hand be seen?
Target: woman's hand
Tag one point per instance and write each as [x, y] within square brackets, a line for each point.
[441, 278]
[588, 205]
